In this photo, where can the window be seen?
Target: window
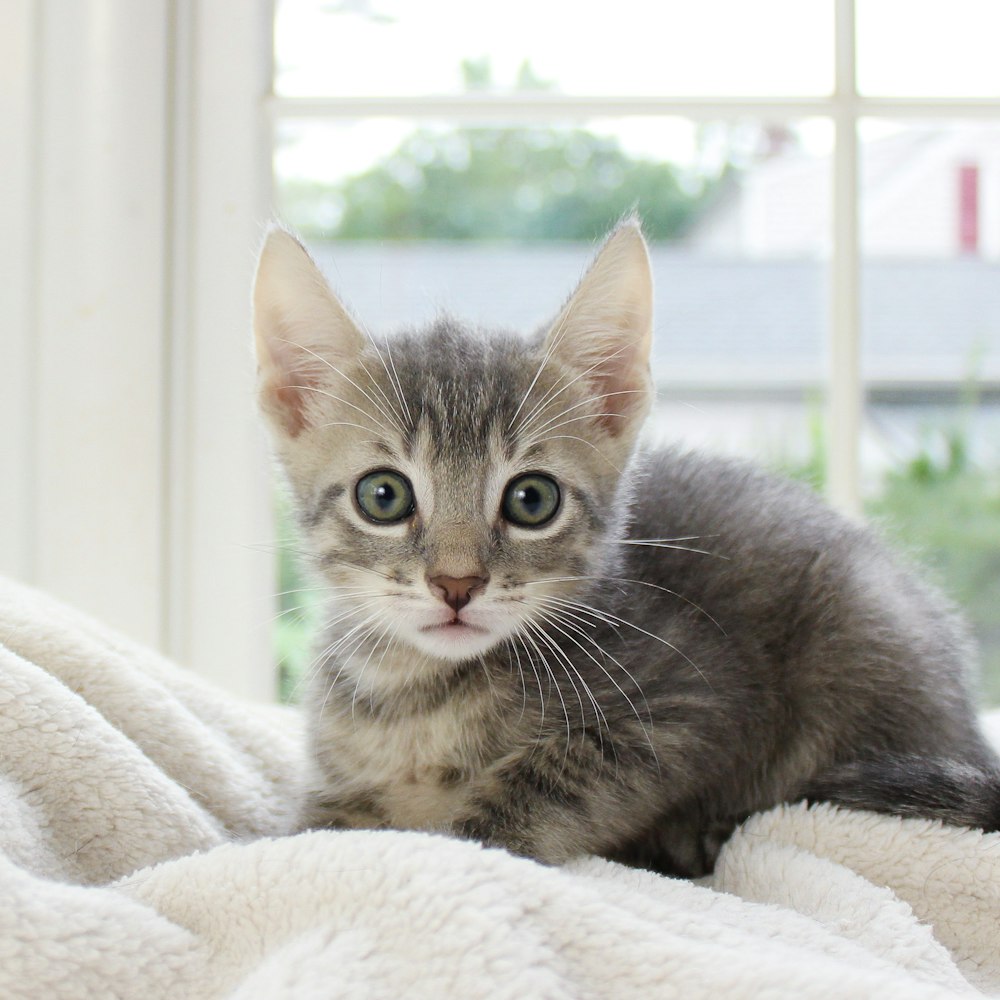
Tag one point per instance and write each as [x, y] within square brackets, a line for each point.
[834, 246]
[813, 309]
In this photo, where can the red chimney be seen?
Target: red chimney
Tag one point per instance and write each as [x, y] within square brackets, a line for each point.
[968, 208]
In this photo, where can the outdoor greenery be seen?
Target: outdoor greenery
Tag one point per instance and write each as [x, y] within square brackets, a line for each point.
[514, 184]
[506, 183]
[942, 511]
[299, 602]
[945, 511]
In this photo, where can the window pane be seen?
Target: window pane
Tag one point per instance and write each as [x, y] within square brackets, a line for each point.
[380, 47]
[497, 224]
[928, 49]
[931, 355]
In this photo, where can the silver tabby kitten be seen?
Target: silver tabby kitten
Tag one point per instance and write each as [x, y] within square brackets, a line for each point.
[541, 639]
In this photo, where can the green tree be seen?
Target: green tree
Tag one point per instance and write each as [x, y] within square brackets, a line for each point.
[513, 183]
[500, 184]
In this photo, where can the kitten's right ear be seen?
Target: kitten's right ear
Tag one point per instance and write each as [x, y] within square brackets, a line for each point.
[302, 333]
[605, 331]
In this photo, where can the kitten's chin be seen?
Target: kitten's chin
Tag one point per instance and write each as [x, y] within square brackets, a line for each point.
[453, 640]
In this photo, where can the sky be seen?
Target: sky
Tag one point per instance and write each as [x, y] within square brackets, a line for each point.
[711, 47]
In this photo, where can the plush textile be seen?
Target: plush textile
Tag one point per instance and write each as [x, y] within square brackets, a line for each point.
[145, 851]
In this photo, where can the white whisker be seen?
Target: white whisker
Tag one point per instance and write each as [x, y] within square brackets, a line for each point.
[538, 373]
[553, 340]
[538, 680]
[339, 399]
[338, 649]
[563, 660]
[666, 545]
[551, 395]
[345, 423]
[524, 630]
[394, 380]
[555, 622]
[381, 660]
[347, 378]
[323, 656]
[364, 667]
[520, 671]
[589, 444]
[638, 583]
[586, 402]
[388, 402]
[559, 615]
[607, 616]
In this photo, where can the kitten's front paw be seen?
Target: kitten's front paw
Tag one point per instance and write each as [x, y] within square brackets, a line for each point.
[515, 841]
[343, 812]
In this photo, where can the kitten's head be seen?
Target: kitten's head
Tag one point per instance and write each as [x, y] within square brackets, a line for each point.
[453, 485]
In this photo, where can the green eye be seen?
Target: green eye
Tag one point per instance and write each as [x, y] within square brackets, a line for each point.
[384, 496]
[530, 501]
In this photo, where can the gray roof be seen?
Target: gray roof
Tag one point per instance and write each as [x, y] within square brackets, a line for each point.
[718, 320]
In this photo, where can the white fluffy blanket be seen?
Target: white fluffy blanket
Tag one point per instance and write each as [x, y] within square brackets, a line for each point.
[144, 852]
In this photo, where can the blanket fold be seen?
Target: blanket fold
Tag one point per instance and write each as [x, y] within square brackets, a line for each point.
[147, 850]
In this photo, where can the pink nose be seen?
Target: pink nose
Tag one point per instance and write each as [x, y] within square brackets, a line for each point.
[457, 591]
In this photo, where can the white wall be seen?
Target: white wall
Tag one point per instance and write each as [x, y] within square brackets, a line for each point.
[135, 171]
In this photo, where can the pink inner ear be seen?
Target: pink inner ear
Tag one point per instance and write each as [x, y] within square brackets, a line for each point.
[616, 409]
[287, 404]
[623, 387]
[289, 379]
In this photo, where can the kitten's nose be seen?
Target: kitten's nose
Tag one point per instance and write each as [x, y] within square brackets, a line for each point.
[457, 591]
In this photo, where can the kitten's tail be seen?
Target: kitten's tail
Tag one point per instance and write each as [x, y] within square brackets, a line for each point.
[906, 785]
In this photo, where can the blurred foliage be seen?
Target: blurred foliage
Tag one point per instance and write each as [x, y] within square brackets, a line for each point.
[810, 468]
[298, 606]
[501, 183]
[945, 511]
[512, 184]
[942, 511]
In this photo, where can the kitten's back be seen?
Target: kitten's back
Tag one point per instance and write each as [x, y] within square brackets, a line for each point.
[860, 647]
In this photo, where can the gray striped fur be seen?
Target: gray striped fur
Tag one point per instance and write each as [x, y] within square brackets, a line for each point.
[626, 699]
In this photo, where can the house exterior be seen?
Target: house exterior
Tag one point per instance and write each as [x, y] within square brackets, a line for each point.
[721, 321]
[928, 190]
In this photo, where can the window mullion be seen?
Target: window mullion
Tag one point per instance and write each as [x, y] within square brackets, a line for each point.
[845, 391]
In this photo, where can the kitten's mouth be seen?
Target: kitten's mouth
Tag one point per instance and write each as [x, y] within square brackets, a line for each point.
[456, 627]
[454, 638]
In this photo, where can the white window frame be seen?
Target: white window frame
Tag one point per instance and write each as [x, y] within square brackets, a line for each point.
[845, 107]
[133, 476]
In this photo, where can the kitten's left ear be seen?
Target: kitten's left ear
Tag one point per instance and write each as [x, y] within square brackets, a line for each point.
[303, 335]
[605, 330]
